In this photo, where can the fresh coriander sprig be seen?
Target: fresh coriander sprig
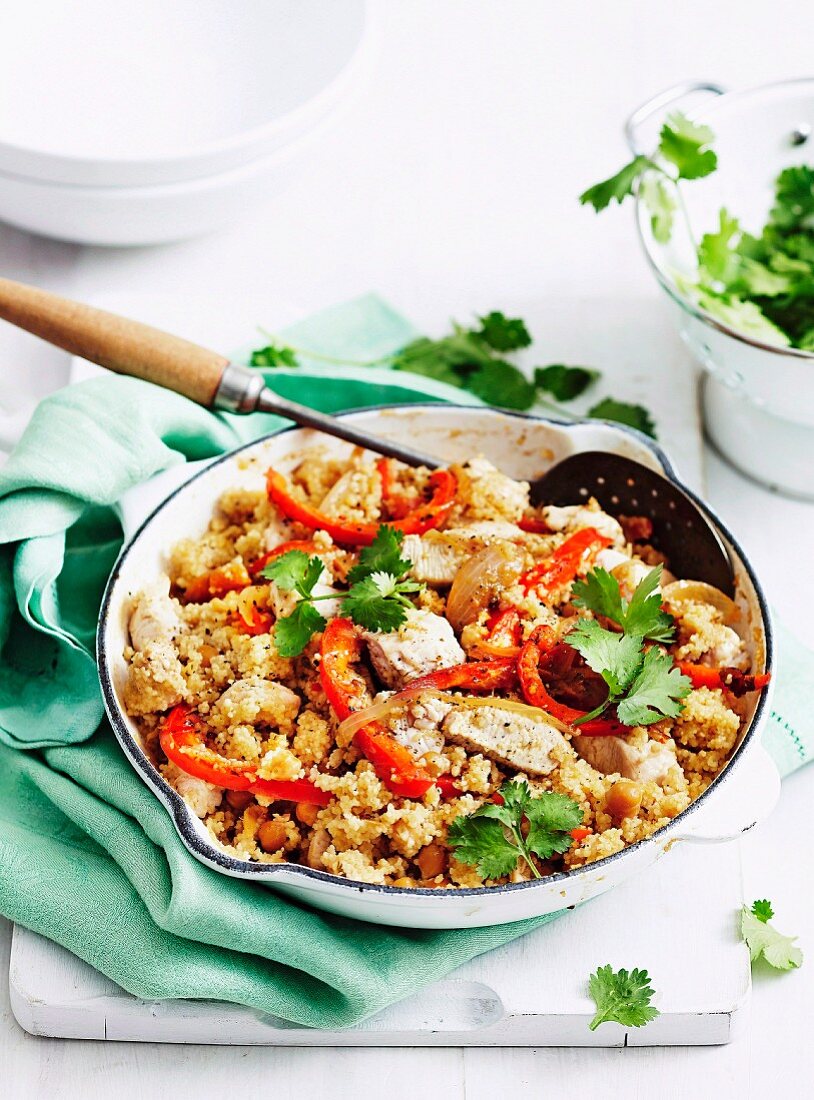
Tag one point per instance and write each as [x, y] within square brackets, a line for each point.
[378, 598]
[683, 153]
[477, 358]
[492, 838]
[642, 683]
[764, 940]
[621, 996]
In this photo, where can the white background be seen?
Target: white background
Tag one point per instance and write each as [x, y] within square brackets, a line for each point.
[450, 186]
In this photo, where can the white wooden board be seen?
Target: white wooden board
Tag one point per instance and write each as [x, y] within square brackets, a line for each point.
[678, 921]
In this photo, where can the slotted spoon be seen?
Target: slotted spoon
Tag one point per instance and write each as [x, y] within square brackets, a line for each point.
[681, 530]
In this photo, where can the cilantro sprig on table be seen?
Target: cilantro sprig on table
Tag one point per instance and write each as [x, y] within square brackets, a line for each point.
[763, 940]
[643, 683]
[478, 358]
[621, 996]
[378, 598]
[493, 838]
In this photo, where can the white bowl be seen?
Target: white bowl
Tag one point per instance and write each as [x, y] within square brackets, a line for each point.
[99, 94]
[758, 398]
[156, 214]
[523, 446]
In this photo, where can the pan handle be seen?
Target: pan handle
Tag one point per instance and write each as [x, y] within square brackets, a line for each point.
[746, 799]
[659, 102]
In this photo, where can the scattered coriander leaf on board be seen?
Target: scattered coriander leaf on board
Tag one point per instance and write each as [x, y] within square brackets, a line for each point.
[764, 940]
[504, 333]
[492, 840]
[562, 382]
[274, 355]
[621, 996]
[635, 416]
[762, 909]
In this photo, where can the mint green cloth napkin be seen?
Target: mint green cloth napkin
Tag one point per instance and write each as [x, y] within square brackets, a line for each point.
[88, 856]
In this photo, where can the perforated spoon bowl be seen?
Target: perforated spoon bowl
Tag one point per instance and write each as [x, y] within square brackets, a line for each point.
[622, 486]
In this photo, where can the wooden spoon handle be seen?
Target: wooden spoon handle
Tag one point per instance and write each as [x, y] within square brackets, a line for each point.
[123, 346]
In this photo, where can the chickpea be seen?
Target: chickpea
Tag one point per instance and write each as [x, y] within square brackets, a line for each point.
[624, 799]
[432, 861]
[306, 812]
[239, 800]
[272, 835]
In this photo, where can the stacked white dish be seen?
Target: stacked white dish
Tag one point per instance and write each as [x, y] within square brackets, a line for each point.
[135, 124]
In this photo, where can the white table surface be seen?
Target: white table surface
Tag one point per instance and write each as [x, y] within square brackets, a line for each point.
[450, 187]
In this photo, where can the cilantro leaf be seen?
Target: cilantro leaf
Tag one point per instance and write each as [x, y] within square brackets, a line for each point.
[762, 939]
[622, 997]
[642, 615]
[762, 909]
[274, 355]
[492, 840]
[564, 383]
[686, 145]
[718, 257]
[293, 633]
[661, 205]
[379, 602]
[382, 556]
[551, 818]
[635, 416]
[617, 657]
[618, 186]
[794, 198]
[504, 333]
[655, 691]
[499, 383]
[294, 571]
[483, 844]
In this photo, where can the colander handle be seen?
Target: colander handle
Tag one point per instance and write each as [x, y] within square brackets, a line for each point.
[659, 102]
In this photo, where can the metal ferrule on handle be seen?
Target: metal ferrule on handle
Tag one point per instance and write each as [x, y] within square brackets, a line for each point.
[243, 390]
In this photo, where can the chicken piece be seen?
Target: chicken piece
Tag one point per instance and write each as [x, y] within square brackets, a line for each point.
[423, 643]
[612, 755]
[703, 635]
[155, 680]
[438, 555]
[202, 798]
[489, 493]
[418, 728]
[517, 740]
[574, 517]
[257, 700]
[155, 616]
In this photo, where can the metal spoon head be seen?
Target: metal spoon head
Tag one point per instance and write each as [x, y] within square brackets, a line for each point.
[681, 531]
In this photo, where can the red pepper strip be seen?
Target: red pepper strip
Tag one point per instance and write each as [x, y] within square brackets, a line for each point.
[395, 504]
[261, 622]
[564, 563]
[534, 525]
[182, 740]
[739, 683]
[580, 834]
[504, 628]
[536, 694]
[496, 674]
[444, 486]
[260, 563]
[347, 692]
[229, 578]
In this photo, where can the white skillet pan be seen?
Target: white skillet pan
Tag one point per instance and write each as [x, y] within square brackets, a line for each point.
[523, 447]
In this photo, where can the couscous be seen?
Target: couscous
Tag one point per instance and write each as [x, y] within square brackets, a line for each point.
[415, 679]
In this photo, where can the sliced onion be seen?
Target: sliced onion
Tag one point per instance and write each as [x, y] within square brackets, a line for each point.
[378, 711]
[701, 592]
[246, 598]
[496, 566]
